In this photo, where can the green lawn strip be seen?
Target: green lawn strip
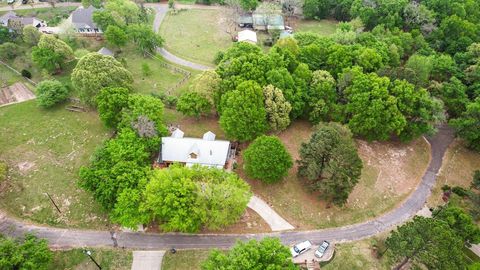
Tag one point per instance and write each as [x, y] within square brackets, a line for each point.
[185, 259]
[53, 16]
[322, 27]
[195, 35]
[8, 77]
[44, 150]
[114, 259]
[354, 255]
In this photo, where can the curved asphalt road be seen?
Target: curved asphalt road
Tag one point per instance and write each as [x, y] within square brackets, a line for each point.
[65, 238]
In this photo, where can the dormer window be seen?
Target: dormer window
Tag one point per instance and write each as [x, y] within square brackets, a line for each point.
[193, 156]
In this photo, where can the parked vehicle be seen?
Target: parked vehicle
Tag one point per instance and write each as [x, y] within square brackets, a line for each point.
[10, 2]
[321, 249]
[300, 248]
[25, 2]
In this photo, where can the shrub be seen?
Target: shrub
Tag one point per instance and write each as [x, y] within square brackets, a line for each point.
[460, 191]
[51, 92]
[26, 73]
[476, 180]
[267, 159]
[218, 57]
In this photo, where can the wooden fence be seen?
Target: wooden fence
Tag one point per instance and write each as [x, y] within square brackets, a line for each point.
[185, 73]
[18, 73]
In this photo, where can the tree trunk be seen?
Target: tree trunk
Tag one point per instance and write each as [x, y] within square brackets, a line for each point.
[402, 264]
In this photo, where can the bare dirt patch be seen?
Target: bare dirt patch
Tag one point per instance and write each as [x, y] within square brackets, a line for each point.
[17, 92]
[25, 166]
[391, 171]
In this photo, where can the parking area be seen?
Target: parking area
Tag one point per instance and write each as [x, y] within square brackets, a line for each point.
[309, 260]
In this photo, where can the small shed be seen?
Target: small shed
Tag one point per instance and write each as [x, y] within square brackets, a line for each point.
[105, 51]
[247, 36]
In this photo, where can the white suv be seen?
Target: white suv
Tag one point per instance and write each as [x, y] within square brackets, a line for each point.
[300, 248]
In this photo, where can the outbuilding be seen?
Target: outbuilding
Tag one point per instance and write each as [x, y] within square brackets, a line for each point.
[247, 36]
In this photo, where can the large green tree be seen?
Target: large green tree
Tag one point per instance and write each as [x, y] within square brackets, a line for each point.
[277, 108]
[268, 253]
[194, 104]
[31, 35]
[426, 242]
[330, 163]
[467, 126]
[460, 222]
[110, 103]
[51, 92]
[322, 98]
[373, 111]
[51, 53]
[29, 254]
[95, 72]
[267, 159]
[115, 36]
[145, 38]
[243, 115]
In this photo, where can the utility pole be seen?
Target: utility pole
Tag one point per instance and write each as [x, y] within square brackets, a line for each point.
[89, 254]
[51, 199]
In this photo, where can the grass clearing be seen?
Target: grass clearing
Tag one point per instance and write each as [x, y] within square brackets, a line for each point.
[355, 255]
[391, 172]
[44, 150]
[114, 259]
[457, 169]
[195, 34]
[160, 79]
[185, 259]
[322, 27]
[52, 16]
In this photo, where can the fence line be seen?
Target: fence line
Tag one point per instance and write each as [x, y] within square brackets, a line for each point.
[18, 73]
[186, 74]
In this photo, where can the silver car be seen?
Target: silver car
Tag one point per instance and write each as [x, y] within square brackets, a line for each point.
[321, 249]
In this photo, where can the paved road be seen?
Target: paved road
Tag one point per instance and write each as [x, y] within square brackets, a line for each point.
[63, 238]
[161, 11]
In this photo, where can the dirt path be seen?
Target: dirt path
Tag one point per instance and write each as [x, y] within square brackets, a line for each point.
[66, 238]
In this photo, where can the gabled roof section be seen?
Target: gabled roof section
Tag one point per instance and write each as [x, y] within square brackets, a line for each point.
[105, 51]
[83, 17]
[205, 152]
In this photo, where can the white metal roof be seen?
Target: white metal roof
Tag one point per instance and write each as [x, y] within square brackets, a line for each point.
[207, 152]
[247, 35]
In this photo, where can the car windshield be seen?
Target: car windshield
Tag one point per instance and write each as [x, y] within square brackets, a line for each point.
[296, 249]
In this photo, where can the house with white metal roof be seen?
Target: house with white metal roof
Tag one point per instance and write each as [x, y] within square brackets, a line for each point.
[204, 151]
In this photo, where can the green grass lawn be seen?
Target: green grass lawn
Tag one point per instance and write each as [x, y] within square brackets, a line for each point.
[159, 81]
[108, 259]
[195, 35]
[44, 150]
[322, 27]
[8, 77]
[185, 259]
[355, 256]
[53, 16]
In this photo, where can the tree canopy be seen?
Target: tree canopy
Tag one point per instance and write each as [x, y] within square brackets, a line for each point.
[51, 92]
[267, 159]
[29, 254]
[269, 253]
[94, 72]
[330, 163]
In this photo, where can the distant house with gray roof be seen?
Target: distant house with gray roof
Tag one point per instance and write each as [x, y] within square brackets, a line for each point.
[82, 21]
[16, 23]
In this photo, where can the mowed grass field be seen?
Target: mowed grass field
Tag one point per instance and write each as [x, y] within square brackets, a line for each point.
[391, 171]
[44, 150]
[459, 164]
[159, 81]
[322, 27]
[108, 259]
[195, 35]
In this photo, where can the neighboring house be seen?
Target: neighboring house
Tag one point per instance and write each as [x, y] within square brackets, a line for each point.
[5, 17]
[247, 36]
[82, 21]
[263, 21]
[191, 151]
[16, 23]
[105, 51]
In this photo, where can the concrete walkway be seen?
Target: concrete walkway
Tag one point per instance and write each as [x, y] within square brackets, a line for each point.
[274, 220]
[161, 11]
[147, 260]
